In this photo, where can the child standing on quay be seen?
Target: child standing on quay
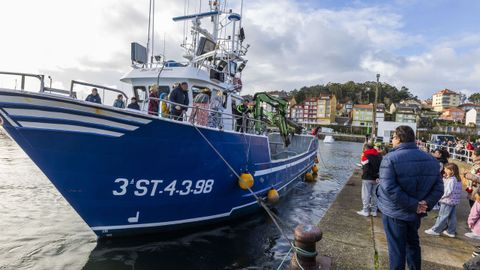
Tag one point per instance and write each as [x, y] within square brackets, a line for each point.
[474, 218]
[447, 218]
[370, 161]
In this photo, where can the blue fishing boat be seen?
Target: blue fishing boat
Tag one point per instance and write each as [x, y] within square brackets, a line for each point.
[127, 171]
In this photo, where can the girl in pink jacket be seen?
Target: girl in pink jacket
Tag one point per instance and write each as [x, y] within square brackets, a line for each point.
[474, 218]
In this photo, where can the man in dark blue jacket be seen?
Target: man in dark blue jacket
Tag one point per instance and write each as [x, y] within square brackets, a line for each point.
[410, 184]
[179, 95]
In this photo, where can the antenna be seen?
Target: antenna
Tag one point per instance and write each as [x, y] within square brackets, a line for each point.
[241, 14]
[149, 20]
[153, 31]
[164, 57]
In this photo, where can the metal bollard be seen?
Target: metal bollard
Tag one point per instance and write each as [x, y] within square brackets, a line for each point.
[306, 237]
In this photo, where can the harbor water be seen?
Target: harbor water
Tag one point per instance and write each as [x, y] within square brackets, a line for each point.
[41, 231]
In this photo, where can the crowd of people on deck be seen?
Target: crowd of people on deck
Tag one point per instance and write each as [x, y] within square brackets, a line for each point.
[178, 98]
[207, 107]
[407, 183]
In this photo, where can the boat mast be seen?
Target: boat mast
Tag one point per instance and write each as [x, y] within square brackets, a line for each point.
[148, 33]
[214, 7]
[151, 31]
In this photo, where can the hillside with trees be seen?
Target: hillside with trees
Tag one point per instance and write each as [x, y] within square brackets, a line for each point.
[475, 98]
[358, 93]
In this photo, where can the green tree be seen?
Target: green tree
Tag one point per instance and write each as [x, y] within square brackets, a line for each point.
[355, 92]
[475, 98]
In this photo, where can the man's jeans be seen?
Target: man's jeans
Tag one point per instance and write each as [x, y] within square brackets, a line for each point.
[403, 243]
[447, 219]
[369, 198]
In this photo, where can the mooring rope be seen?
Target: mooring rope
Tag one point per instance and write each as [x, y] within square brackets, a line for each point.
[259, 200]
[284, 258]
[321, 159]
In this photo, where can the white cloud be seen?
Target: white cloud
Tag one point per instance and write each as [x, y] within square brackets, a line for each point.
[292, 44]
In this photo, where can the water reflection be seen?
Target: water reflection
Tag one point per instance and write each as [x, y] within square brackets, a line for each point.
[41, 231]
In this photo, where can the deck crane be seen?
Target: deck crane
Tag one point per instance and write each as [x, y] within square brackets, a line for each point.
[278, 117]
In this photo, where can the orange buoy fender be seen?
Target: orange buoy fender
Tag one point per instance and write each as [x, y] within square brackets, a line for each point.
[309, 177]
[245, 181]
[273, 196]
[315, 169]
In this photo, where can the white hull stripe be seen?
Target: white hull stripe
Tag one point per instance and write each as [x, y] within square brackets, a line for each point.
[8, 119]
[279, 168]
[70, 106]
[66, 127]
[166, 223]
[67, 116]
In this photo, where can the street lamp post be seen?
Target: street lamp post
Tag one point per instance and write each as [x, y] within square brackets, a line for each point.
[374, 124]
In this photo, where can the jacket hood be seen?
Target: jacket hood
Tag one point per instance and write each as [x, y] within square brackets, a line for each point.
[372, 151]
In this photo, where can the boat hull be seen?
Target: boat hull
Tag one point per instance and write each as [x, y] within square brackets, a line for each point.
[127, 173]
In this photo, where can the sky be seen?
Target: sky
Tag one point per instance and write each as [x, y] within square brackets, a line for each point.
[423, 45]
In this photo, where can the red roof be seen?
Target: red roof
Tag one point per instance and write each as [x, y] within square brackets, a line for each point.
[469, 105]
[452, 110]
[446, 92]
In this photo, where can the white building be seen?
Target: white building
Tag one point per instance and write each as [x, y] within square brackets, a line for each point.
[385, 129]
[445, 99]
[473, 117]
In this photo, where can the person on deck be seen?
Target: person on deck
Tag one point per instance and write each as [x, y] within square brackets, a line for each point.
[94, 97]
[153, 101]
[179, 95]
[410, 184]
[242, 111]
[119, 102]
[133, 104]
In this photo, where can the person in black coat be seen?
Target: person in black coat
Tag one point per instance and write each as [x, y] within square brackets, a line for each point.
[179, 95]
[94, 97]
[133, 104]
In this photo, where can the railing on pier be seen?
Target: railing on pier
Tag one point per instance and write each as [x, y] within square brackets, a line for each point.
[458, 154]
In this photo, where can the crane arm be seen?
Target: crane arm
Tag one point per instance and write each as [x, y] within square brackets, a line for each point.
[278, 117]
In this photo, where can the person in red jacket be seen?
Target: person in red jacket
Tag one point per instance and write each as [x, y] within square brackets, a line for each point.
[370, 161]
[470, 146]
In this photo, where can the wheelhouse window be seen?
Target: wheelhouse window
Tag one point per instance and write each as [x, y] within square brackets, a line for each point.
[140, 92]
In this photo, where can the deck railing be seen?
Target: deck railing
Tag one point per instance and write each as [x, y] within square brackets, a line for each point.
[23, 76]
[196, 115]
[101, 87]
[208, 117]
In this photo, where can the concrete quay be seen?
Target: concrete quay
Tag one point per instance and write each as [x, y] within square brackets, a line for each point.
[356, 242]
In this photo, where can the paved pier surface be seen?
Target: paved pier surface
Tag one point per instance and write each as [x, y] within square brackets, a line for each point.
[357, 242]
